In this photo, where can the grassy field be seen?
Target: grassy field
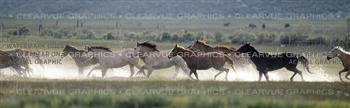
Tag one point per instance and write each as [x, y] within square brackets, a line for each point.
[162, 93]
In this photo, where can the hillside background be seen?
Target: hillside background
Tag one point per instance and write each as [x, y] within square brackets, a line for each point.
[177, 8]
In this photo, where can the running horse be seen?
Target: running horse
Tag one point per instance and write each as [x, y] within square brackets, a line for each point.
[202, 61]
[202, 46]
[81, 57]
[108, 59]
[344, 57]
[265, 62]
[155, 59]
[18, 59]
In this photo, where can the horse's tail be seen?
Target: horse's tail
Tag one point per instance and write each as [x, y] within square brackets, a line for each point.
[230, 61]
[305, 62]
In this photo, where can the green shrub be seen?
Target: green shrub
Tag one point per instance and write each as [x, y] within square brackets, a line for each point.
[188, 37]
[242, 37]
[219, 37]
[263, 38]
[109, 36]
[87, 34]
[165, 37]
[21, 30]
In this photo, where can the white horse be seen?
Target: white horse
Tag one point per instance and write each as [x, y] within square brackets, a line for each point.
[344, 57]
[108, 59]
[155, 59]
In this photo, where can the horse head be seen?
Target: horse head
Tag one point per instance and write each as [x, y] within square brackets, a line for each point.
[174, 52]
[334, 52]
[145, 47]
[247, 48]
[66, 50]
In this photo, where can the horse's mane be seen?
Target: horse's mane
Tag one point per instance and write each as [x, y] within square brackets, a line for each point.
[99, 47]
[149, 45]
[342, 50]
[183, 48]
[216, 46]
[72, 47]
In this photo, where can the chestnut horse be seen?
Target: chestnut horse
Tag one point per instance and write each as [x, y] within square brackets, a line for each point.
[202, 61]
[344, 57]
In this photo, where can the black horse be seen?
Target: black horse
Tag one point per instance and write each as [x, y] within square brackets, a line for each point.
[266, 62]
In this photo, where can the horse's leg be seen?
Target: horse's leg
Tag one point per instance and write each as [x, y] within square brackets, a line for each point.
[291, 78]
[104, 71]
[18, 70]
[218, 74]
[296, 71]
[141, 69]
[149, 72]
[340, 72]
[29, 71]
[260, 75]
[266, 76]
[226, 76]
[195, 74]
[131, 70]
[179, 62]
[187, 71]
[347, 75]
[176, 71]
[94, 68]
[81, 70]
[221, 71]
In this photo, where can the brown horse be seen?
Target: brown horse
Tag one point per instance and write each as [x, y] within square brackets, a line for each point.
[344, 57]
[202, 61]
[202, 46]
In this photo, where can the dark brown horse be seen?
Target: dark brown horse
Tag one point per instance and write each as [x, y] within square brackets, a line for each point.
[17, 59]
[266, 62]
[202, 61]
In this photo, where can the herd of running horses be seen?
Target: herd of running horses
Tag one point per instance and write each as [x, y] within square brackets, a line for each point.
[198, 56]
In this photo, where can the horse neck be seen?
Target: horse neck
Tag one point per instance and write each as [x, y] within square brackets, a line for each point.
[205, 48]
[184, 51]
[254, 51]
[73, 53]
[343, 54]
[225, 50]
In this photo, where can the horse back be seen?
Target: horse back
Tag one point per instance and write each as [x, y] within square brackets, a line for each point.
[272, 62]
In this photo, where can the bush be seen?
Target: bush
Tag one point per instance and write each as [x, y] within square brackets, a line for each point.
[316, 41]
[165, 37]
[175, 38]
[109, 36]
[63, 33]
[293, 39]
[265, 38]
[242, 37]
[22, 30]
[87, 34]
[219, 37]
[188, 37]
